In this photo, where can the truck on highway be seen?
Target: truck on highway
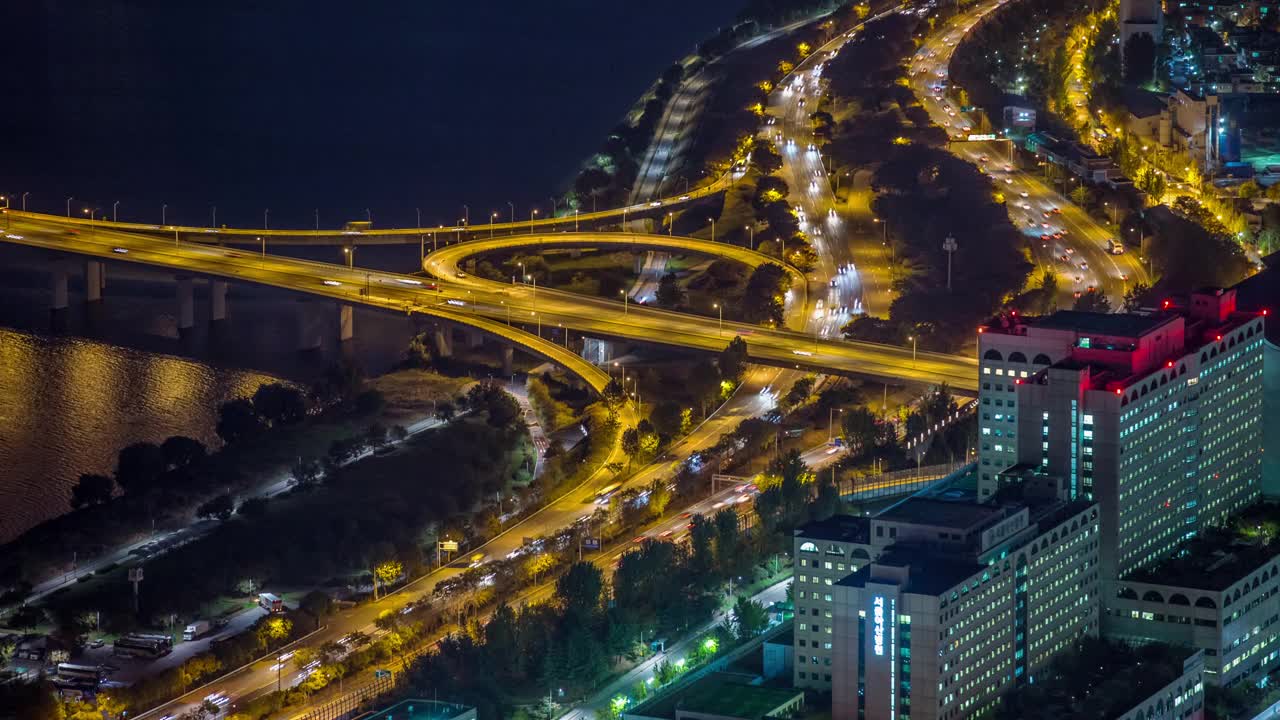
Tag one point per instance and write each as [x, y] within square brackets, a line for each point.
[270, 602]
[195, 630]
[1115, 247]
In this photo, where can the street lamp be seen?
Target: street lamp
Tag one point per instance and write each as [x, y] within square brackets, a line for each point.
[266, 214]
[912, 338]
[575, 219]
[751, 237]
[493, 219]
[713, 228]
[466, 215]
[69, 199]
[623, 293]
[115, 207]
[347, 250]
[720, 314]
[671, 224]
[830, 422]
[532, 214]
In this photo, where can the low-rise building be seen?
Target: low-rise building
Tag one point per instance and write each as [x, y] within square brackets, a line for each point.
[1218, 596]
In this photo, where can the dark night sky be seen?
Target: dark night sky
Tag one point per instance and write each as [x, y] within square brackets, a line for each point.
[389, 104]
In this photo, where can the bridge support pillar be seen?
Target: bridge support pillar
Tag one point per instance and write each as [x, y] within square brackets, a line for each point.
[346, 323]
[308, 335]
[94, 280]
[443, 340]
[596, 351]
[59, 287]
[638, 262]
[475, 338]
[217, 300]
[186, 303]
[508, 357]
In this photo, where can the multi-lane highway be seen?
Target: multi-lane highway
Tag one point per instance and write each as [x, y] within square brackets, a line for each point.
[855, 267]
[1061, 236]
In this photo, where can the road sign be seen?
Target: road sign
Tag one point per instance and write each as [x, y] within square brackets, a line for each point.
[979, 138]
[449, 545]
[591, 543]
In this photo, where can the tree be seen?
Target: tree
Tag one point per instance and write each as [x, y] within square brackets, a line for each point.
[1139, 59]
[273, 629]
[220, 507]
[631, 444]
[279, 404]
[762, 299]
[385, 573]
[1249, 189]
[749, 618]
[733, 360]
[305, 472]
[91, 489]
[181, 451]
[579, 590]
[445, 411]
[860, 428]
[138, 466]
[376, 435]
[1082, 196]
[765, 157]
[1093, 302]
[667, 419]
[670, 294]
[704, 384]
[237, 421]
[799, 391]
[1152, 182]
[769, 190]
[501, 410]
[1137, 296]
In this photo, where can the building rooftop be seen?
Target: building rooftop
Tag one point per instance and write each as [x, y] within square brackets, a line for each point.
[838, 528]
[1218, 558]
[719, 694]
[1122, 324]
[931, 573]
[1097, 679]
[1143, 103]
[954, 514]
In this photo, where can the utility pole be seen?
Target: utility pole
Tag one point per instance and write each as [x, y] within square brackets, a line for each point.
[950, 246]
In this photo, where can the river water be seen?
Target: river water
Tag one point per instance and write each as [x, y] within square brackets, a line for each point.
[289, 107]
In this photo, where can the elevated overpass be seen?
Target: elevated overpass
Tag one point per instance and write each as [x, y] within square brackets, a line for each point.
[497, 308]
[397, 236]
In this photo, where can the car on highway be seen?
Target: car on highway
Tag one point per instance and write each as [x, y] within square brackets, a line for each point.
[656, 203]
[330, 283]
[1024, 193]
[120, 250]
[460, 275]
[684, 197]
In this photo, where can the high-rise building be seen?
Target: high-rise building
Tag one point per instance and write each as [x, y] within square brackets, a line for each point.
[1139, 17]
[960, 602]
[1155, 415]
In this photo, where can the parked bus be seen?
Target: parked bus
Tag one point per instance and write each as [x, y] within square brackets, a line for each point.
[142, 646]
[88, 673]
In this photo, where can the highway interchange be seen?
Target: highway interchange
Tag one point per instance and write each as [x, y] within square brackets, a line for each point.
[502, 309]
